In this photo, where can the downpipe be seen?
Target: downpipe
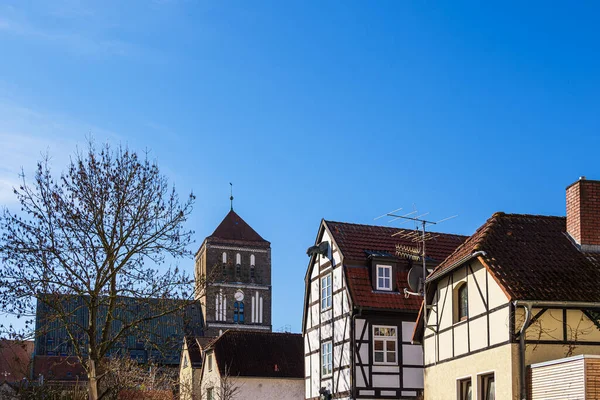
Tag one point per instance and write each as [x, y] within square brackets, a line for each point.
[522, 333]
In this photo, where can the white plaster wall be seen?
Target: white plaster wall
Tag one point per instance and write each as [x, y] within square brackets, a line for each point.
[210, 379]
[269, 389]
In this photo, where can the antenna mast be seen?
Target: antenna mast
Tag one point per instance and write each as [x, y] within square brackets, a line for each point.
[410, 253]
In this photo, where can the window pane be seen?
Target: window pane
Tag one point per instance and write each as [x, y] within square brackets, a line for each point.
[391, 357]
[390, 346]
[376, 331]
[378, 345]
[386, 272]
[380, 283]
[379, 356]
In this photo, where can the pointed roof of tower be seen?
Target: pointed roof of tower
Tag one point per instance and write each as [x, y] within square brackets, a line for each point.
[233, 227]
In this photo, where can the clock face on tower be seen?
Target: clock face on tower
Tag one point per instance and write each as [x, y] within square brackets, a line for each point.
[239, 295]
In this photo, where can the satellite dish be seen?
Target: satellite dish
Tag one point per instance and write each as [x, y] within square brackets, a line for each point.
[415, 279]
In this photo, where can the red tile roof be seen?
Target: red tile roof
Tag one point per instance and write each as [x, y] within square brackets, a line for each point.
[58, 368]
[234, 228]
[533, 258]
[15, 359]
[259, 354]
[355, 240]
[363, 295]
[196, 346]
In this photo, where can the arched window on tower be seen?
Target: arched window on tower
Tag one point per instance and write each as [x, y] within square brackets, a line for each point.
[224, 257]
[252, 260]
[238, 258]
[238, 312]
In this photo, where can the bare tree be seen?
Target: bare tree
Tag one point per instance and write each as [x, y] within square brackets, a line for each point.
[126, 378]
[88, 243]
[226, 387]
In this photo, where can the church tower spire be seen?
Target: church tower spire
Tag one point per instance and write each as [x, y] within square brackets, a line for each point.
[238, 261]
[231, 194]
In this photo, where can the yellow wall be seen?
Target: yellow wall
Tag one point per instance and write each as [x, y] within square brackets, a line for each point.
[441, 379]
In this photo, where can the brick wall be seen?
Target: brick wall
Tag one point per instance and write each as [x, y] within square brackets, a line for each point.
[583, 212]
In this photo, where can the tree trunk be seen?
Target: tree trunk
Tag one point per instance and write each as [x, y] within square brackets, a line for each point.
[92, 381]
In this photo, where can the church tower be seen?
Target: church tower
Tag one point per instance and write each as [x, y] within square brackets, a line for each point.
[236, 262]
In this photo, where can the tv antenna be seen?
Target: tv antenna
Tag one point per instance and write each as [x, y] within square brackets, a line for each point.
[416, 275]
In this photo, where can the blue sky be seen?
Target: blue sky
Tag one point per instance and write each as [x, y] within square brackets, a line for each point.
[336, 110]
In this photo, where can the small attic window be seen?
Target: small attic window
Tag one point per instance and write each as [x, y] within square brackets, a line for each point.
[384, 277]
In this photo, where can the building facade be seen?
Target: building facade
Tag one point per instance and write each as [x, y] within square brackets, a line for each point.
[157, 340]
[253, 365]
[234, 264]
[521, 291]
[357, 322]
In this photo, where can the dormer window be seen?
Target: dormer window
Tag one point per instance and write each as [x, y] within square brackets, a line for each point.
[384, 277]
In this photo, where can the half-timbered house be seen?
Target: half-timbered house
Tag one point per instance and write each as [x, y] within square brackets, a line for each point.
[357, 321]
[521, 291]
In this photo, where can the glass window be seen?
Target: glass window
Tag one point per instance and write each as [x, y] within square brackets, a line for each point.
[238, 269]
[488, 387]
[465, 389]
[224, 257]
[238, 312]
[384, 344]
[384, 277]
[326, 359]
[326, 292]
[209, 361]
[463, 302]
[252, 271]
[238, 258]
[252, 260]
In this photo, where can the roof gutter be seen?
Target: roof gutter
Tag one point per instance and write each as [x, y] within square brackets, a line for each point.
[528, 305]
[455, 265]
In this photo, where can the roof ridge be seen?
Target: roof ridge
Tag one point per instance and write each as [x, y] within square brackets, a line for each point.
[529, 215]
[392, 227]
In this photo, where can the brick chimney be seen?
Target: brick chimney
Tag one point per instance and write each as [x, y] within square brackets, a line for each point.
[583, 213]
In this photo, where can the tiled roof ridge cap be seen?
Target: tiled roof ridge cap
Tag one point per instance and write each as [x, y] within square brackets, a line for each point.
[510, 215]
[392, 227]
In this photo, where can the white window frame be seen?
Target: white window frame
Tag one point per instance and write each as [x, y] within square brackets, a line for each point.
[385, 339]
[326, 292]
[327, 358]
[388, 278]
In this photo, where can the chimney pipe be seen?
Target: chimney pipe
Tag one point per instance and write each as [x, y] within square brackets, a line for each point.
[583, 213]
